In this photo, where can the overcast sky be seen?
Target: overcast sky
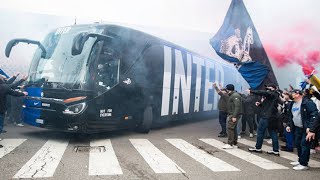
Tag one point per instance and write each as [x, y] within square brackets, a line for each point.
[274, 19]
[201, 15]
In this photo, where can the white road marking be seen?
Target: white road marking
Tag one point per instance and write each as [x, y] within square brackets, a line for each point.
[247, 156]
[9, 145]
[158, 161]
[283, 154]
[201, 156]
[103, 162]
[45, 161]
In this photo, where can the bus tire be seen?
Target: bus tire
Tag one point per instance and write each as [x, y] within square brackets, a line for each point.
[146, 122]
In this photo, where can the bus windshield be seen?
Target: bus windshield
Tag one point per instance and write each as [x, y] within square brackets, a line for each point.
[59, 65]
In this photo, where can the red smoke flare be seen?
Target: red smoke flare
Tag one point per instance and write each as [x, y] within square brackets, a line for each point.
[301, 47]
[307, 69]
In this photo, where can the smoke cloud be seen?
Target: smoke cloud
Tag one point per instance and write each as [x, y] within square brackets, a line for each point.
[299, 44]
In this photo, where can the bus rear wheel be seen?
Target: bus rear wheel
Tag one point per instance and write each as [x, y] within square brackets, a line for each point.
[146, 122]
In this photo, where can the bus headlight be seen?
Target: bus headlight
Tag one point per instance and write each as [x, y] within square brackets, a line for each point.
[75, 109]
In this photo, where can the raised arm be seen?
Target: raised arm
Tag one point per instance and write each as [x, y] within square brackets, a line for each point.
[17, 83]
[217, 89]
[264, 93]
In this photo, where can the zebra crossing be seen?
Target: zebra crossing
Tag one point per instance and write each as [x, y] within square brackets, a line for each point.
[45, 161]
[103, 163]
[103, 159]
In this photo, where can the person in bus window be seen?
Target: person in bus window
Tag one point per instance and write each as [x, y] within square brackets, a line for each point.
[104, 76]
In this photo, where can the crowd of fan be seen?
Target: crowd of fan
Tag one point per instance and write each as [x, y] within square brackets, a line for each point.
[290, 115]
[293, 115]
[11, 87]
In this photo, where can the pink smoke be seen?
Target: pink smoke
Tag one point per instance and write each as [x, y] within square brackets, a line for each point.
[300, 45]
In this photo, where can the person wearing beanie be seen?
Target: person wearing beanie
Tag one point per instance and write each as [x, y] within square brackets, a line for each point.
[234, 107]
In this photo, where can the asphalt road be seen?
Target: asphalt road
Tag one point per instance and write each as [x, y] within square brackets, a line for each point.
[182, 151]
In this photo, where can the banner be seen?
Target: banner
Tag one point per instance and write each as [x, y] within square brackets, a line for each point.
[237, 41]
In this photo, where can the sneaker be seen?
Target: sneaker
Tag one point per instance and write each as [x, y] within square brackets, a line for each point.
[243, 132]
[255, 133]
[300, 167]
[222, 135]
[313, 151]
[1, 146]
[274, 153]
[20, 125]
[295, 163]
[220, 132]
[255, 150]
[0, 139]
[239, 137]
[227, 146]
[250, 135]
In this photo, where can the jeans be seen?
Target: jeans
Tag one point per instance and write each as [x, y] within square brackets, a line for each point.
[249, 119]
[262, 126]
[302, 145]
[239, 126]
[223, 121]
[1, 122]
[289, 139]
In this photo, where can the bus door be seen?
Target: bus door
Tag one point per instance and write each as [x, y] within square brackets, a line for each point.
[105, 72]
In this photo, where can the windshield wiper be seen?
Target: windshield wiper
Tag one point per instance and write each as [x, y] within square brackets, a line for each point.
[43, 81]
[40, 82]
[61, 86]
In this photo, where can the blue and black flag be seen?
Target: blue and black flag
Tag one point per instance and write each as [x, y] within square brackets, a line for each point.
[237, 41]
[3, 73]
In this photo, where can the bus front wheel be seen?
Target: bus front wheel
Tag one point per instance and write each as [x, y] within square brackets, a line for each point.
[146, 122]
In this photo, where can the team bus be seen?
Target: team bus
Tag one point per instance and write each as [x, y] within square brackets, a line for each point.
[101, 77]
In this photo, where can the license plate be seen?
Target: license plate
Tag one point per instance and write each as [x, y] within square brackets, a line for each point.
[40, 121]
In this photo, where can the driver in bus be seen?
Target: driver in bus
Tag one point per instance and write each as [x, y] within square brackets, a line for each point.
[104, 76]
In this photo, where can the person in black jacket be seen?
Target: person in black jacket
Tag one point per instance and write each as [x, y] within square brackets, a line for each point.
[303, 113]
[287, 99]
[6, 89]
[8, 101]
[268, 117]
[249, 112]
[223, 110]
[314, 129]
[16, 104]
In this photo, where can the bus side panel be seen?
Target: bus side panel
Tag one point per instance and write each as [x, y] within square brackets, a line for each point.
[185, 93]
[153, 68]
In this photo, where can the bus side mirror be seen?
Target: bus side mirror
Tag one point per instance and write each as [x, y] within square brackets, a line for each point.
[80, 40]
[14, 42]
[9, 47]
